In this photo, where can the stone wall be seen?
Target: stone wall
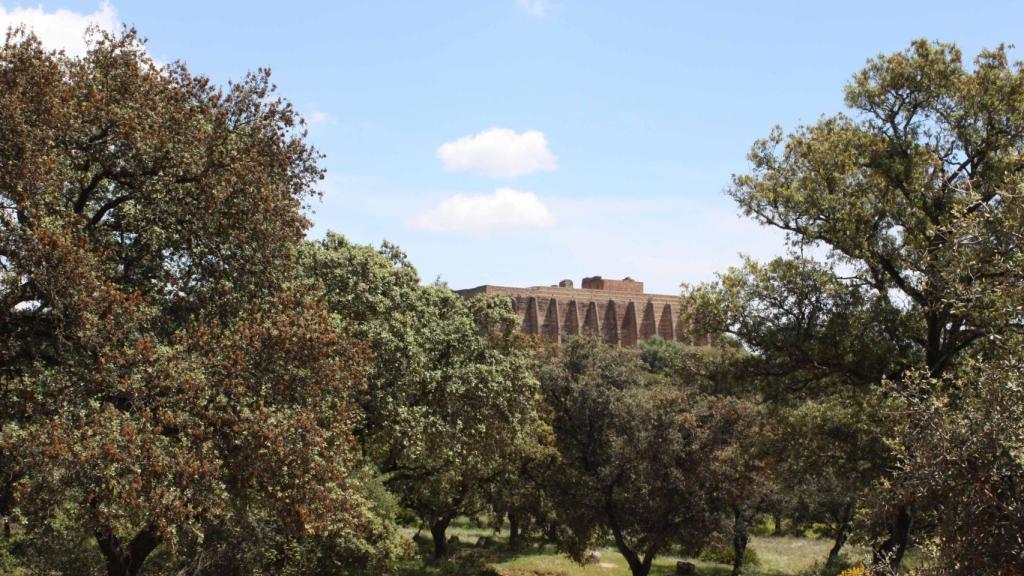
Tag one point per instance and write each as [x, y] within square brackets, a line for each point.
[625, 285]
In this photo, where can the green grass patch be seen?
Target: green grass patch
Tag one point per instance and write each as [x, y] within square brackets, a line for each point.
[612, 564]
[779, 556]
[776, 555]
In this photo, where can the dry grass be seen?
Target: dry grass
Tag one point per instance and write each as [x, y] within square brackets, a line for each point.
[791, 555]
[612, 564]
[783, 556]
[779, 556]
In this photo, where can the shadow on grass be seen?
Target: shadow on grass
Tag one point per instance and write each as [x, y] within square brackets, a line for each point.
[463, 560]
[537, 560]
[540, 560]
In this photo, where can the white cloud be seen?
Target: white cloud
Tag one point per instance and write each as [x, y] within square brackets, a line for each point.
[535, 8]
[318, 117]
[61, 29]
[499, 153]
[505, 209]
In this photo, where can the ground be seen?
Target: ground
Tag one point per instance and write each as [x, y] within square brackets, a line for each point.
[779, 556]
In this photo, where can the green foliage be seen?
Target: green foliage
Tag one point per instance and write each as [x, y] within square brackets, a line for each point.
[660, 355]
[915, 197]
[57, 547]
[807, 329]
[646, 462]
[451, 405]
[841, 567]
[257, 546]
[960, 452]
[832, 454]
[165, 375]
[724, 554]
[900, 191]
[186, 384]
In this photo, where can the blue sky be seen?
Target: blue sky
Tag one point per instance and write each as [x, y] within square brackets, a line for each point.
[520, 142]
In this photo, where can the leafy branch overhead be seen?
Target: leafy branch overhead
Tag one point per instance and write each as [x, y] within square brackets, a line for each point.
[168, 379]
[918, 191]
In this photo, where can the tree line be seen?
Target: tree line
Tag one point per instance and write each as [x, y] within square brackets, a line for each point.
[188, 386]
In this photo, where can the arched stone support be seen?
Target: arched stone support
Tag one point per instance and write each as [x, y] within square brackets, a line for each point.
[648, 325]
[571, 325]
[531, 323]
[591, 327]
[550, 327]
[610, 323]
[667, 323]
[629, 326]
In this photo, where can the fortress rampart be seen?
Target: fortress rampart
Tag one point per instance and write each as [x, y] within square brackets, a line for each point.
[616, 311]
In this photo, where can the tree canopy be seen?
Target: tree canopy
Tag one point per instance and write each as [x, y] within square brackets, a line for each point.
[165, 373]
[638, 458]
[189, 385]
[450, 408]
[915, 197]
[918, 191]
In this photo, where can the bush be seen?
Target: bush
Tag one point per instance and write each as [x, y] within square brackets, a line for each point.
[723, 554]
[9, 564]
[842, 568]
[56, 546]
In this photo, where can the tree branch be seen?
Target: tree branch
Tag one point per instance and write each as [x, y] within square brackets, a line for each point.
[110, 205]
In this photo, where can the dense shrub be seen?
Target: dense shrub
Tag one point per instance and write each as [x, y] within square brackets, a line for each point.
[723, 554]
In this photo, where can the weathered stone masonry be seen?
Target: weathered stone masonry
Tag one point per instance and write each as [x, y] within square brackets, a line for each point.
[617, 311]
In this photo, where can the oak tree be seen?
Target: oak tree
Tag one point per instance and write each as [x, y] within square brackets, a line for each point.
[638, 458]
[451, 405]
[163, 371]
[916, 197]
[960, 453]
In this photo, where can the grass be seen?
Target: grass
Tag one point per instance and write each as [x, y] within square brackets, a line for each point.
[791, 555]
[779, 556]
[612, 564]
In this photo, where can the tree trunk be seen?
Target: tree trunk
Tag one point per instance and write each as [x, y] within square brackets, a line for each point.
[889, 555]
[438, 527]
[833, 554]
[551, 533]
[777, 520]
[514, 541]
[5, 506]
[127, 560]
[841, 535]
[739, 541]
[637, 566]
